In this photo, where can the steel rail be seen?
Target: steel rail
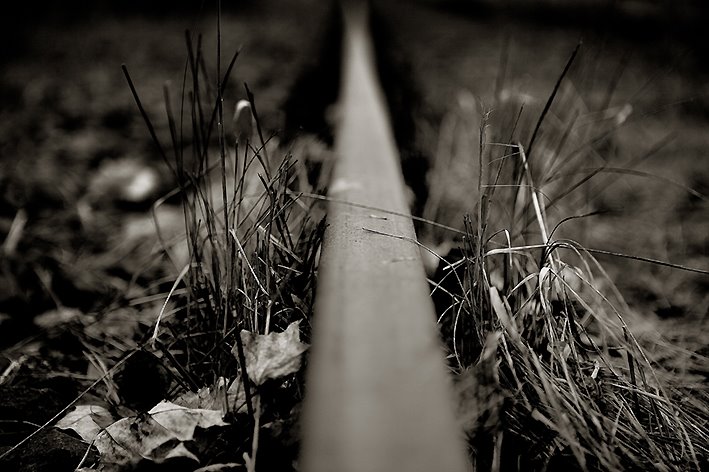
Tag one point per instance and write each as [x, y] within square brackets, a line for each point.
[378, 395]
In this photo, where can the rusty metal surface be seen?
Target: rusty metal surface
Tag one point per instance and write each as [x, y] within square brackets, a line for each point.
[378, 396]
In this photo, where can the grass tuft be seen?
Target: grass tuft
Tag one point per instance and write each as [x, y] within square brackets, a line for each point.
[550, 372]
[248, 255]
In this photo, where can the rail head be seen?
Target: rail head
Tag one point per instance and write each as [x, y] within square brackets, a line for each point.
[378, 394]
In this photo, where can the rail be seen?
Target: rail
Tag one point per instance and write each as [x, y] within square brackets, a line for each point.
[378, 395]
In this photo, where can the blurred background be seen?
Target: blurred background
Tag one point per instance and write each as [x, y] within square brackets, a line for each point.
[637, 90]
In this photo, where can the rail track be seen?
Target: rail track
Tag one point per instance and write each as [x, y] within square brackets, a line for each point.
[378, 396]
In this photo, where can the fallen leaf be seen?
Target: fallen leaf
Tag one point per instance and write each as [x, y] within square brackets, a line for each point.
[182, 421]
[221, 467]
[273, 355]
[213, 398]
[128, 440]
[203, 398]
[163, 453]
[86, 420]
[157, 436]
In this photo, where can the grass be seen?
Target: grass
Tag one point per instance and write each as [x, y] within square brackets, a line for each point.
[251, 245]
[550, 373]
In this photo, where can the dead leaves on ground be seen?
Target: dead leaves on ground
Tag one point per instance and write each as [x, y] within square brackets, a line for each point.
[170, 432]
[162, 434]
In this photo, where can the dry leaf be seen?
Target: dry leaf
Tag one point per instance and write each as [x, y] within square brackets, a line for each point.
[229, 466]
[182, 421]
[213, 398]
[86, 420]
[128, 440]
[157, 436]
[273, 355]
